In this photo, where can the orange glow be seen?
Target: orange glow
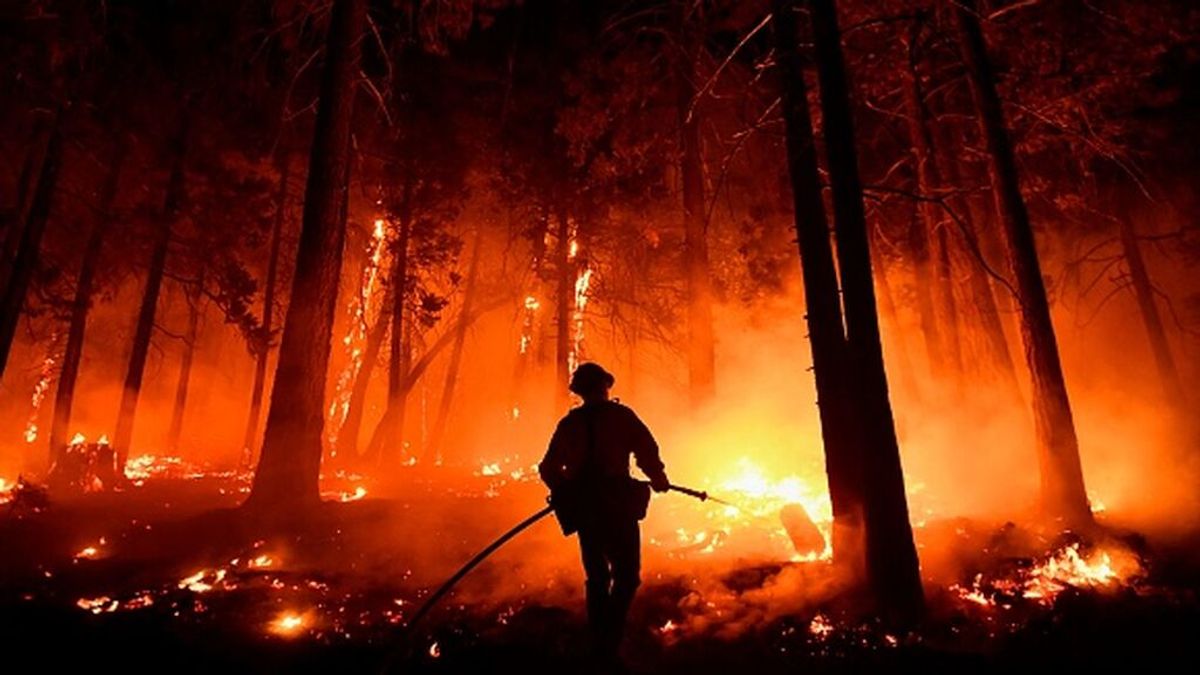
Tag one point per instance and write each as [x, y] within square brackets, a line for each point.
[289, 624]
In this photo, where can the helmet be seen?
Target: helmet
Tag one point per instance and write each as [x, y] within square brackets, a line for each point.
[590, 377]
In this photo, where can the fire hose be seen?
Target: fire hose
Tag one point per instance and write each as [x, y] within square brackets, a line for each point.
[491, 548]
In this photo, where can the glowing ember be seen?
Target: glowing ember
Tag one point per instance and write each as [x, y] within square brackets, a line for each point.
[289, 624]
[6, 490]
[78, 439]
[490, 470]
[359, 493]
[435, 651]
[203, 581]
[87, 553]
[261, 562]
[98, 605]
[45, 377]
[668, 627]
[820, 627]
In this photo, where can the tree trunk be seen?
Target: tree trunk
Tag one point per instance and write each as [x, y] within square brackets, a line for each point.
[982, 296]
[144, 329]
[387, 445]
[29, 248]
[827, 340]
[33, 165]
[288, 470]
[700, 347]
[1143, 290]
[460, 337]
[1063, 492]
[562, 312]
[268, 322]
[64, 395]
[347, 438]
[891, 556]
[931, 244]
[185, 369]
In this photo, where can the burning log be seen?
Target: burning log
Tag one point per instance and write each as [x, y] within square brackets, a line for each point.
[805, 536]
[84, 467]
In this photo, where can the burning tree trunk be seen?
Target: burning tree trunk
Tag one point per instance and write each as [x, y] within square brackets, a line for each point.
[891, 556]
[172, 205]
[930, 242]
[1063, 492]
[347, 438]
[29, 248]
[460, 337]
[290, 464]
[1143, 290]
[821, 296]
[185, 366]
[64, 395]
[700, 347]
[562, 311]
[264, 346]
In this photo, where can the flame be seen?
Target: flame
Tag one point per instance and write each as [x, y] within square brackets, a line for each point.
[1068, 568]
[6, 490]
[78, 439]
[435, 651]
[261, 562]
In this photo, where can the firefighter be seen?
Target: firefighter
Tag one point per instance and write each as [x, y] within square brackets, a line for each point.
[587, 470]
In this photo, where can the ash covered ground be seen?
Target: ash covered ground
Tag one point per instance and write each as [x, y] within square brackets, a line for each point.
[167, 574]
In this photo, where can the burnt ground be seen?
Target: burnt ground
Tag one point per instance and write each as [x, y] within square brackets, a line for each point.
[146, 607]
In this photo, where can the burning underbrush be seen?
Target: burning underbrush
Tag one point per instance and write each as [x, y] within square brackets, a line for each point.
[715, 574]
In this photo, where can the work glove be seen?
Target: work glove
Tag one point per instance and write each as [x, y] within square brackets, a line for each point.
[660, 483]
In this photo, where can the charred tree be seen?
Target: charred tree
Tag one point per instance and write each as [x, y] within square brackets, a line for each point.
[700, 347]
[1062, 485]
[29, 248]
[388, 440]
[891, 555]
[289, 467]
[933, 240]
[32, 166]
[1143, 290]
[144, 328]
[827, 339]
[983, 299]
[174, 432]
[347, 438]
[460, 337]
[263, 347]
[81, 304]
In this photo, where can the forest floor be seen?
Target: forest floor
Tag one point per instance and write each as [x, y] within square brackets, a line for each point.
[170, 576]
